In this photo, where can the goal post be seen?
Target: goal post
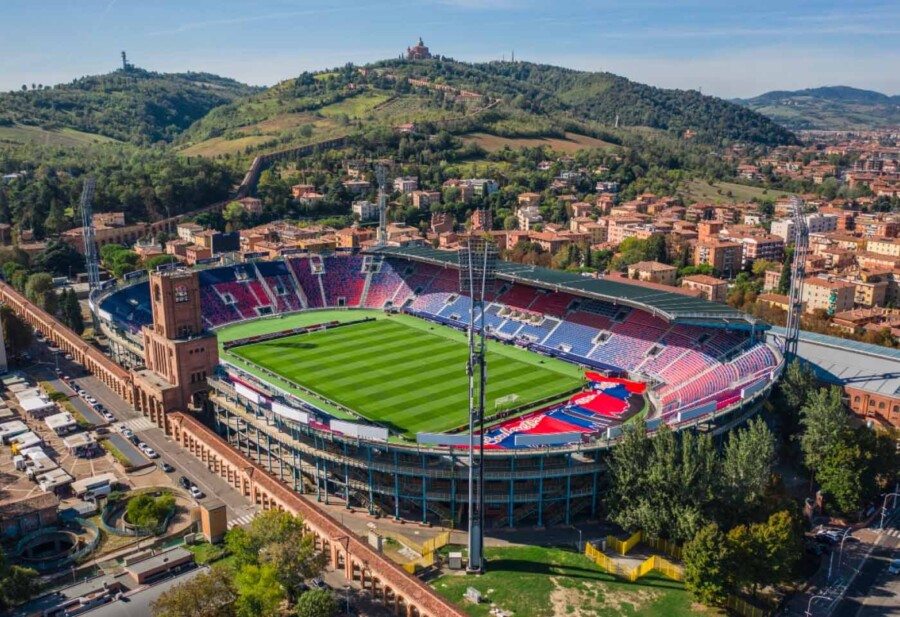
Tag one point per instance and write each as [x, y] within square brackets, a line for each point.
[505, 402]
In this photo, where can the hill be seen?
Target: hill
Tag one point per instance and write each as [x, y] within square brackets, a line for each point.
[516, 101]
[828, 108]
[602, 98]
[137, 106]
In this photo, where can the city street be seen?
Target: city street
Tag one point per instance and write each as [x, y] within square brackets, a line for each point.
[859, 585]
[239, 510]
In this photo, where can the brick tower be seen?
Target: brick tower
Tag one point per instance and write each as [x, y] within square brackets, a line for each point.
[179, 353]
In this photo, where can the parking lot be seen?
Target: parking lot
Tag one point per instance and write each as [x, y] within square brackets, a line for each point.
[238, 509]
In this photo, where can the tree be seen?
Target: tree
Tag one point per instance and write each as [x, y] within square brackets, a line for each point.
[159, 260]
[57, 221]
[295, 559]
[825, 423]
[706, 569]
[841, 473]
[17, 584]
[317, 603]
[233, 213]
[784, 281]
[40, 289]
[747, 462]
[208, 594]
[59, 259]
[798, 382]
[147, 511]
[259, 592]
[72, 312]
[764, 553]
[17, 334]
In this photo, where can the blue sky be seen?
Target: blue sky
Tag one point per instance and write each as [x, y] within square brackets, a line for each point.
[728, 48]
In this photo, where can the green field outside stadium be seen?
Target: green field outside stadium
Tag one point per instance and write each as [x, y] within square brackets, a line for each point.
[402, 372]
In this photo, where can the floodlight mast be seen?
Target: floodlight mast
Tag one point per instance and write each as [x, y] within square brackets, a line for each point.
[477, 266]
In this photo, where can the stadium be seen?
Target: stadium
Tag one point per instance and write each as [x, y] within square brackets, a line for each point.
[343, 374]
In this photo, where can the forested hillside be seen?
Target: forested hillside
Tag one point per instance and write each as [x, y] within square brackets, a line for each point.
[602, 98]
[137, 106]
[828, 108]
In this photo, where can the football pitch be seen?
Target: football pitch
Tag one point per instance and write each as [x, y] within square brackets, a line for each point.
[401, 372]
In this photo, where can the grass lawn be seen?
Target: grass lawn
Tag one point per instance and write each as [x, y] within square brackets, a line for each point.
[551, 582]
[23, 134]
[402, 372]
[701, 190]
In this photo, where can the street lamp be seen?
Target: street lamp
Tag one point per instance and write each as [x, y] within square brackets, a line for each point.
[579, 538]
[841, 552]
[347, 589]
[884, 509]
[809, 604]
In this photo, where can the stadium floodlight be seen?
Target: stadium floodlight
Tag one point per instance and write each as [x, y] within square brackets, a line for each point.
[477, 269]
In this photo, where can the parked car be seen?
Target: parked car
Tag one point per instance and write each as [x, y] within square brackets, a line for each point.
[68, 356]
[109, 416]
[121, 428]
[184, 482]
[166, 467]
[196, 493]
[894, 568]
[319, 583]
[150, 452]
[134, 439]
[127, 432]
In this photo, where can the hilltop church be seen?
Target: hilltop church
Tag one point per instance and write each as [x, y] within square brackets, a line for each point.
[418, 52]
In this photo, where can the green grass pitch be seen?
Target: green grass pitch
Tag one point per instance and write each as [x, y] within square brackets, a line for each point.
[401, 372]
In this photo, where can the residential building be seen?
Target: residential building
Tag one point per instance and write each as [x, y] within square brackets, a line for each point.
[423, 199]
[784, 229]
[442, 222]
[884, 246]
[356, 186]
[406, 184]
[828, 294]
[186, 231]
[529, 199]
[724, 257]
[528, 217]
[365, 210]
[653, 272]
[712, 288]
[482, 220]
[820, 223]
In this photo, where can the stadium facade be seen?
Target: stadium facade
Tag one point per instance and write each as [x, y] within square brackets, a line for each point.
[706, 367]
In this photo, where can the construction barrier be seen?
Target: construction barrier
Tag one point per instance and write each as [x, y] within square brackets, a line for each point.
[622, 547]
[655, 562]
[425, 561]
[664, 546]
[436, 543]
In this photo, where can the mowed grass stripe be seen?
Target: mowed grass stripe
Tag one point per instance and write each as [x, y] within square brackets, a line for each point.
[401, 375]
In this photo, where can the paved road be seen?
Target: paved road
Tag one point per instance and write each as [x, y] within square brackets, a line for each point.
[238, 508]
[874, 592]
[128, 450]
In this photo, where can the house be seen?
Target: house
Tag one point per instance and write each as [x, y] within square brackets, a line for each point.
[406, 184]
[529, 200]
[186, 231]
[365, 210]
[356, 186]
[712, 288]
[423, 199]
[251, 205]
[528, 217]
[653, 272]
[442, 222]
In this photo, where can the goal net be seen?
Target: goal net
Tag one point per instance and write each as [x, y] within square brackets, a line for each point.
[505, 402]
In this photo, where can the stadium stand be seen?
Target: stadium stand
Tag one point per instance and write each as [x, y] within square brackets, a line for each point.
[310, 282]
[688, 364]
[343, 281]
